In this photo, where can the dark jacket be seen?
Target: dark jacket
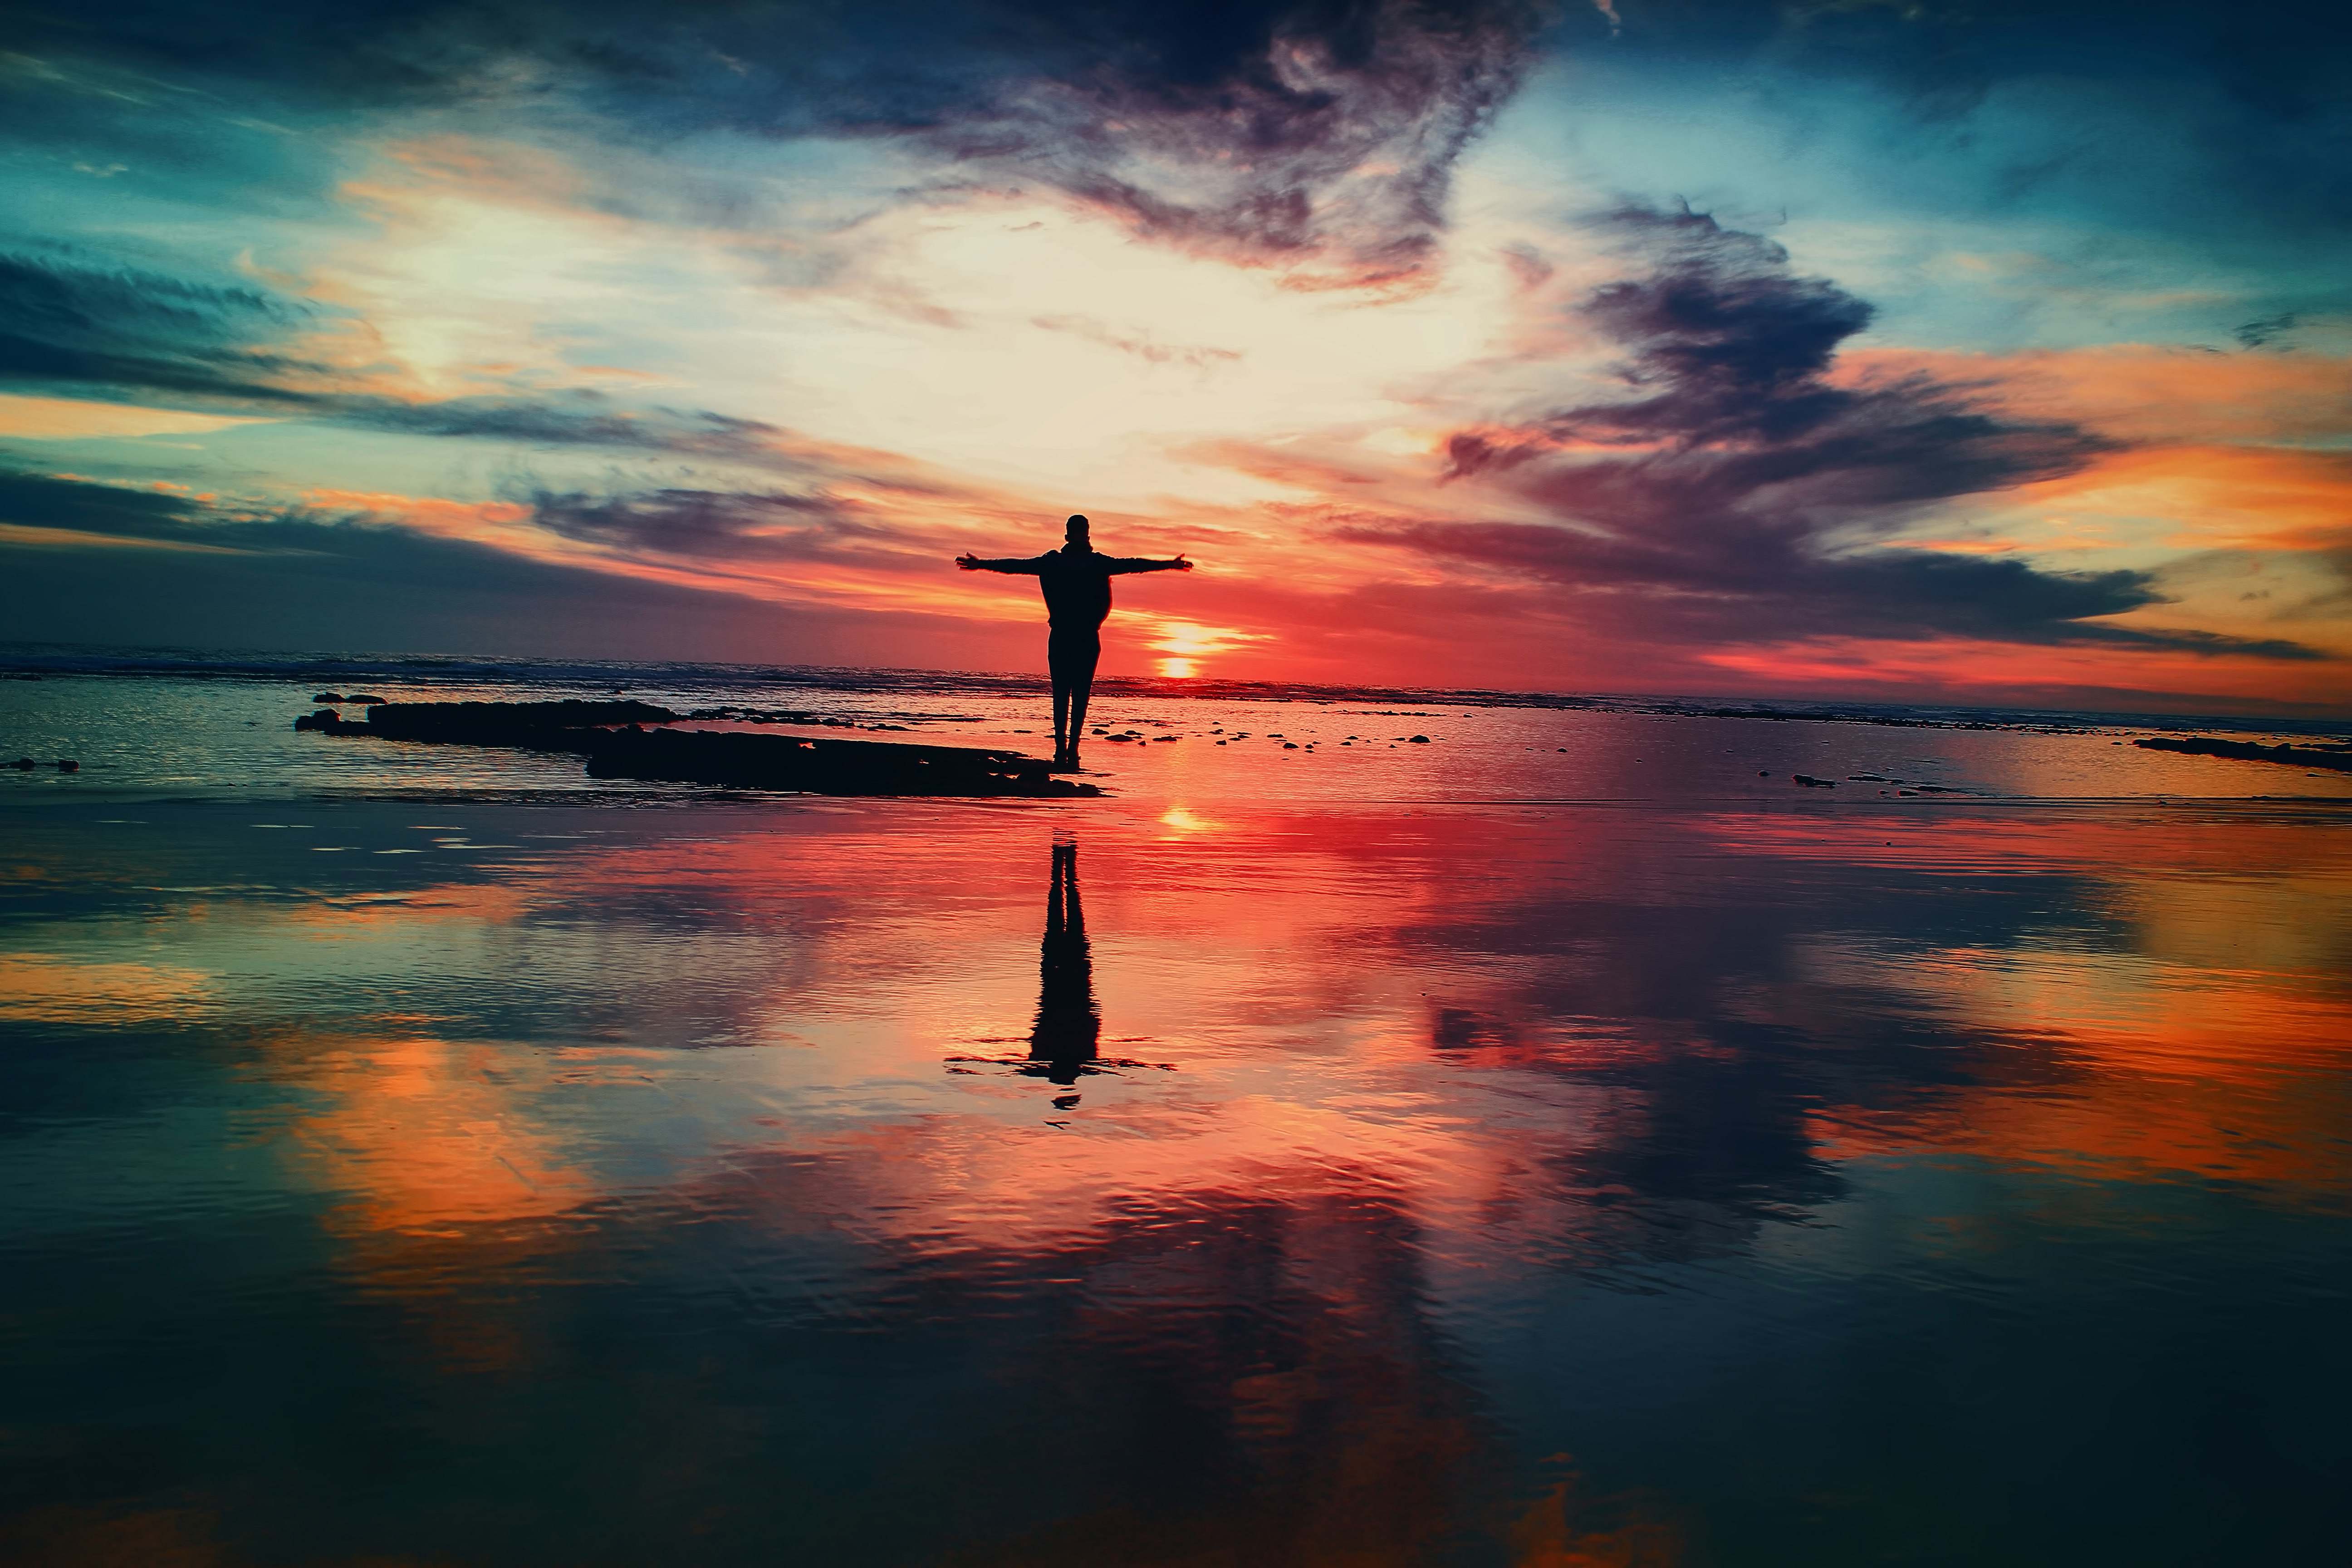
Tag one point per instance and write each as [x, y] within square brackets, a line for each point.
[1076, 583]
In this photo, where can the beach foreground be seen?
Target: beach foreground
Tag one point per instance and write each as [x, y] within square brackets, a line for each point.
[464, 1183]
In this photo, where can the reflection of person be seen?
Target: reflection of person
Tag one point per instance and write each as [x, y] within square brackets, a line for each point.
[1069, 1024]
[1076, 581]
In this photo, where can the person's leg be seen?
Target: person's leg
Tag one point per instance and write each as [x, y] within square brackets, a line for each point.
[1057, 666]
[1081, 662]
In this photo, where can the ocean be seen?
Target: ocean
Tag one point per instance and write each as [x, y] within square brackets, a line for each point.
[1560, 1138]
[192, 725]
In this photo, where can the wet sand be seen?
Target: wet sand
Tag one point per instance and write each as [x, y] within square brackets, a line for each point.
[1796, 1179]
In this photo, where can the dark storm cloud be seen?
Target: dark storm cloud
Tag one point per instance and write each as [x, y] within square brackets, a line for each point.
[301, 579]
[716, 525]
[1729, 351]
[576, 417]
[919, 62]
[69, 318]
[1736, 494]
[1289, 129]
[710, 527]
[169, 518]
[41, 501]
[1278, 131]
[703, 524]
[1764, 593]
[87, 563]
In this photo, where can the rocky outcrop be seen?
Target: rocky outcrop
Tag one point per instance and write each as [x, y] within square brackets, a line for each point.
[545, 726]
[2247, 750]
[825, 766]
[613, 738]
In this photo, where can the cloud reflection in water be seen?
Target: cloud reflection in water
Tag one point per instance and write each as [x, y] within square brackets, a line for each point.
[628, 1168]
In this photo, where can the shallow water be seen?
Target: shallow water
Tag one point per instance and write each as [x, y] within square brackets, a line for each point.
[231, 738]
[1695, 1171]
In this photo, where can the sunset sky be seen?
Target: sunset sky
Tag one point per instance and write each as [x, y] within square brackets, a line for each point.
[1980, 352]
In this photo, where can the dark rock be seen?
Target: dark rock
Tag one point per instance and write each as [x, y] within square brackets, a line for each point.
[612, 737]
[22, 764]
[327, 697]
[1420, 740]
[504, 723]
[1762, 775]
[366, 699]
[67, 765]
[821, 767]
[2248, 750]
[1810, 781]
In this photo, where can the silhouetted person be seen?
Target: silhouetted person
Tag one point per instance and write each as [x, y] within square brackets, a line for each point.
[1077, 581]
[1069, 1024]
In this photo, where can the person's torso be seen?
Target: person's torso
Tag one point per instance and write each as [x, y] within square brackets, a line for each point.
[1078, 587]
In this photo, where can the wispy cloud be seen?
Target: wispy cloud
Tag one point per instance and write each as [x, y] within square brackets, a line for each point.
[1137, 341]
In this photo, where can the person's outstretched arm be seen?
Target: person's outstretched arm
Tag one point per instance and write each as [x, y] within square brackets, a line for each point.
[1122, 565]
[975, 563]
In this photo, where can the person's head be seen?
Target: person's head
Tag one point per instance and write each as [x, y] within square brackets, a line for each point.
[1074, 535]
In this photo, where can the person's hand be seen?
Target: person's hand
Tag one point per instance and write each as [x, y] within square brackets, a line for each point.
[1182, 564]
[970, 563]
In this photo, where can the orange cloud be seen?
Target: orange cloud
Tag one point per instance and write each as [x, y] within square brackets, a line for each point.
[2210, 497]
[73, 419]
[2143, 392]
